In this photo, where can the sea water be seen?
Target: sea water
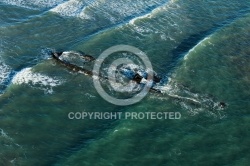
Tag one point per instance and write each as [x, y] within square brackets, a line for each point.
[202, 47]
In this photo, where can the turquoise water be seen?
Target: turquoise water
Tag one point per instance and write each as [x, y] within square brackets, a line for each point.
[202, 47]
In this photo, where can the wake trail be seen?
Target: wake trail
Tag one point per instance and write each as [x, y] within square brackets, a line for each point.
[194, 103]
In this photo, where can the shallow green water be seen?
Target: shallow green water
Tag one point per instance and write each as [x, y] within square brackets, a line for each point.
[201, 46]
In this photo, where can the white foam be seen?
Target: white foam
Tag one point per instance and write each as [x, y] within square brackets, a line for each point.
[135, 7]
[148, 15]
[3, 134]
[201, 43]
[36, 80]
[144, 28]
[69, 8]
[113, 10]
[73, 8]
[162, 7]
[5, 72]
[138, 18]
[34, 4]
[88, 95]
[194, 103]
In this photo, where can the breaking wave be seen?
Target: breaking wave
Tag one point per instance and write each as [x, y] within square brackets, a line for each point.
[36, 80]
[34, 4]
[5, 76]
[113, 10]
